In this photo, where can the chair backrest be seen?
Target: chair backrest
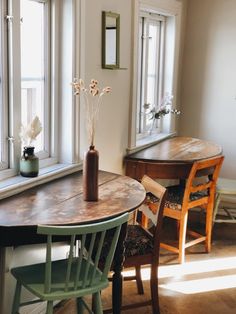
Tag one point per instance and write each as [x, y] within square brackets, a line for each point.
[91, 242]
[209, 169]
[153, 206]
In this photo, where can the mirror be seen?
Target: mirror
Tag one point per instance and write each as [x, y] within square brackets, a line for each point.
[110, 40]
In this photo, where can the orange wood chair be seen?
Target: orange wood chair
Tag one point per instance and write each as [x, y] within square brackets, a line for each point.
[182, 198]
[142, 244]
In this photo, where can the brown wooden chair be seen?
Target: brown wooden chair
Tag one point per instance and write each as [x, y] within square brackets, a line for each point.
[182, 198]
[142, 244]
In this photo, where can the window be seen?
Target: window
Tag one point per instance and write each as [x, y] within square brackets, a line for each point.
[35, 69]
[151, 51]
[37, 54]
[3, 111]
[155, 67]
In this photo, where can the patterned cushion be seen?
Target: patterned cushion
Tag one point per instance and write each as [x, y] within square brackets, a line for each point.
[137, 241]
[176, 194]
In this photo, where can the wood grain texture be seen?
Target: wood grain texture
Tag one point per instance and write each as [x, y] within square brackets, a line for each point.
[178, 149]
[61, 202]
[170, 159]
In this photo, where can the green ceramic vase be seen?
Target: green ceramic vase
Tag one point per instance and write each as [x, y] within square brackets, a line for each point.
[29, 163]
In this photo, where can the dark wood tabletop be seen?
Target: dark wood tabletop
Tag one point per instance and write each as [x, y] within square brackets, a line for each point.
[60, 202]
[171, 158]
[178, 149]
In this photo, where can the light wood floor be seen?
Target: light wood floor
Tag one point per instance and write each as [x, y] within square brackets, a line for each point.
[205, 284]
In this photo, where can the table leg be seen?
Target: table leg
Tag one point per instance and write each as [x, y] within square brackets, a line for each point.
[117, 281]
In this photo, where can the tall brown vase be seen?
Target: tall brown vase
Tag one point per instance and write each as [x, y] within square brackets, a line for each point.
[90, 175]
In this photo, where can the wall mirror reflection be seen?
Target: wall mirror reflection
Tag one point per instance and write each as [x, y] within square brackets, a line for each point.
[110, 40]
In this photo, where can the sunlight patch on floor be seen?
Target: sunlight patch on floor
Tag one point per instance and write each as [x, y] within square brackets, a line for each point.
[202, 285]
[197, 267]
[188, 268]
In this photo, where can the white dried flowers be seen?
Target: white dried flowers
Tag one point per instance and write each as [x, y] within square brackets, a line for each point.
[29, 133]
[92, 97]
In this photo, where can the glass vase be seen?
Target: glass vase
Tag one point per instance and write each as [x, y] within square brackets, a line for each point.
[29, 163]
[90, 175]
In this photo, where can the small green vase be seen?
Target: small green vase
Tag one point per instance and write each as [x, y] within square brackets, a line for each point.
[29, 163]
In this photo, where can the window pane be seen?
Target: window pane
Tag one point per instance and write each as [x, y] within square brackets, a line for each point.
[152, 67]
[33, 72]
[149, 73]
[1, 98]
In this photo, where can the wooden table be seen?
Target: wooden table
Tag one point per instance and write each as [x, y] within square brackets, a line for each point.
[61, 203]
[170, 159]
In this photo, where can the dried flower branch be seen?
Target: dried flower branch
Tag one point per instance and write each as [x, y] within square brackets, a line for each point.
[92, 97]
[163, 108]
[29, 133]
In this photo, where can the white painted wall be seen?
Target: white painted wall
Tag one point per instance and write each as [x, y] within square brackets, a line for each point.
[112, 129]
[208, 92]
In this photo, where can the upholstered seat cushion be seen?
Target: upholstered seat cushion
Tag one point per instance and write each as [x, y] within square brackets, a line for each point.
[137, 241]
[176, 194]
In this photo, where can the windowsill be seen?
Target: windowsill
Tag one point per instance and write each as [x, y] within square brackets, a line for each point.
[149, 141]
[17, 184]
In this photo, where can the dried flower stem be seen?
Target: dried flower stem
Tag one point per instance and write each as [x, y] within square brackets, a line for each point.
[92, 98]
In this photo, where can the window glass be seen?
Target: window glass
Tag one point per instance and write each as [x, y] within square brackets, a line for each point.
[33, 66]
[151, 46]
[2, 112]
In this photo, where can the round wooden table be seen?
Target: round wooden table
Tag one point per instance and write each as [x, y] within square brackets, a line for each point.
[60, 202]
[170, 159]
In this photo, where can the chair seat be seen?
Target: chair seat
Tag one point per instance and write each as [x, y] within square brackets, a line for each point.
[226, 186]
[137, 241]
[225, 201]
[33, 277]
[176, 194]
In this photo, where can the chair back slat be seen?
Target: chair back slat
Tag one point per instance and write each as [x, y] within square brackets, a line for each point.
[98, 255]
[209, 169]
[79, 261]
[48, 271]
[70, 259]
[151, 209]
[111, 252]
[80, 271]
[89, 259]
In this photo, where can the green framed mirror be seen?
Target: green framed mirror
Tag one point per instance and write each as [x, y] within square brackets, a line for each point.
[110, 40]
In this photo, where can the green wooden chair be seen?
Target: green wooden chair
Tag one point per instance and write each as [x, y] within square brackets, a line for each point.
[75, 276]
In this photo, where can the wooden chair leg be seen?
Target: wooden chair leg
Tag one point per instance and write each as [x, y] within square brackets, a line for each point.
[182, 237]
[139, 280]
[16, 302]
[49, 307]
[154, 290]
[80, 306]
[97, 303]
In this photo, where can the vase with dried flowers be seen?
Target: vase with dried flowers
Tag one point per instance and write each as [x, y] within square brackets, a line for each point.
[92, 97]
[164, 108]
[29, 163]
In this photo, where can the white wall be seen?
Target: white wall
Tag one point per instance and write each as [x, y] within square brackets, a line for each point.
[208, 92]
[113, 125]
[112, 130]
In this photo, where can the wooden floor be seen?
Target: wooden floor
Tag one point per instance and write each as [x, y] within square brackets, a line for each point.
[205, 284]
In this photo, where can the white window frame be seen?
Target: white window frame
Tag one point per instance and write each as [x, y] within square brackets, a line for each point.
[3, 91]
[171, 9]
[146, 19]
[67, 53]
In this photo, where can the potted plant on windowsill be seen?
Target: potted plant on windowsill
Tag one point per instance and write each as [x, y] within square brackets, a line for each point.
[29, 163]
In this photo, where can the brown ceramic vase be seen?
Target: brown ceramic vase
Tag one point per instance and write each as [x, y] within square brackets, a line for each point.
[90, 175]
